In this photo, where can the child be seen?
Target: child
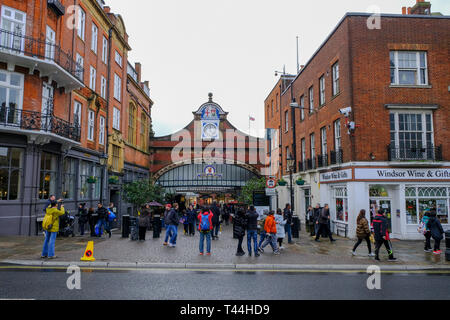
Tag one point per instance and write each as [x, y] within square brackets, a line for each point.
[185, 221]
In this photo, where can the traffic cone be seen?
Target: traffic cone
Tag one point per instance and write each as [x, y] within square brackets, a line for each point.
[89, 252]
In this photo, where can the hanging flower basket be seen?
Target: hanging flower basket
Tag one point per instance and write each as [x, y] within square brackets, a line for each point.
[300, 182]
[282, 183]
[92, 179]
[113, 180]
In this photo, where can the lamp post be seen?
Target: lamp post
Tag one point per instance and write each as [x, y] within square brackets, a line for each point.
[290, 163]
[103, 159]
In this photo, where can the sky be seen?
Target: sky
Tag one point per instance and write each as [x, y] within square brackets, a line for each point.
[231, 48]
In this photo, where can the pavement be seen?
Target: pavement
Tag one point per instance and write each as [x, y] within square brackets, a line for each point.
[304, 254]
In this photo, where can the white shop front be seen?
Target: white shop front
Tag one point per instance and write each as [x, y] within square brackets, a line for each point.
[404, 193]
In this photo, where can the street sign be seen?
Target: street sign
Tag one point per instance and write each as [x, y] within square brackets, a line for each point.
[271, 183]
[271, 192]
[260, 199]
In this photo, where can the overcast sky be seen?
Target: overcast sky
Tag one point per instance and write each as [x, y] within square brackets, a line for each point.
[232, 48]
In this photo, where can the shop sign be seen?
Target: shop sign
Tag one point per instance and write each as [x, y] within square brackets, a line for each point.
[336, 176]
[402, 174]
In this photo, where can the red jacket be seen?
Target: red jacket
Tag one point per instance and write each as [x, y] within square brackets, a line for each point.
[210, 216]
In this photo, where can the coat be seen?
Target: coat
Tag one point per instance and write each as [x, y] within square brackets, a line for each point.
[172, 218]
[434, 225]
[280, 223]
[288, 216]
[239, 226]
[324, 216]
[144, 219]
[82, 215]
[270, 225]
[362, 229]
[380, 228]
[252, 220]
[216, 214]
[56, 214]
[192, 216]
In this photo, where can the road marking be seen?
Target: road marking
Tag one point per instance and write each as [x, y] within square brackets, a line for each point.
[225, 270]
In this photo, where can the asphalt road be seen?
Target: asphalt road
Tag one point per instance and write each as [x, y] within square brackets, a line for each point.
[51, 284]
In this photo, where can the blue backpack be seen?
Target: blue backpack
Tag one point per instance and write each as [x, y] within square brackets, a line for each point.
[204, 223]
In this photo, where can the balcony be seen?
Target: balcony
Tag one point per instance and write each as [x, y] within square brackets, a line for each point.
[322, 160]
[336, 157]
[15, 120]
[415, 154]
[35, 54]
[57, 6]
[310, 164]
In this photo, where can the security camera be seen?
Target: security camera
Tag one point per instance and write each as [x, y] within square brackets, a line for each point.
[346, 111]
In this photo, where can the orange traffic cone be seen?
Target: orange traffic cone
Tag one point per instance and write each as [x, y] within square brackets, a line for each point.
[89, 252]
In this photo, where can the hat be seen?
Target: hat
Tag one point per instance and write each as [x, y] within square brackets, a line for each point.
[169, 205]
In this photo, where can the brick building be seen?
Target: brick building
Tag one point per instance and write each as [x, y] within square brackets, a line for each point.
[371, 121]
[64, 97]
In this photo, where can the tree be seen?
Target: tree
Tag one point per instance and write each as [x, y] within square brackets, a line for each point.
[254, 184]
[141, 192]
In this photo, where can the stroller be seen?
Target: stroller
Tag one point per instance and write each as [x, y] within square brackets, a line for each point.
[66, 225]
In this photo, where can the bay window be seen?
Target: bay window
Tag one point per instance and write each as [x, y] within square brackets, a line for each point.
[11, 166]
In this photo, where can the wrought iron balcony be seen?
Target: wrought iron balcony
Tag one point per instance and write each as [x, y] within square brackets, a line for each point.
[418, 153]
[36, 54]
[336, 156]
[310, 164]
[322, 160]
[14, 118]
[57, 6]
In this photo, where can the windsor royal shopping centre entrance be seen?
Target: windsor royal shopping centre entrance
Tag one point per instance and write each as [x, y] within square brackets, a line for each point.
[209, 160]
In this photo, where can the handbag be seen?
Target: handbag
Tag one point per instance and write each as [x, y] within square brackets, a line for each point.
[111, 215]
[372, 238]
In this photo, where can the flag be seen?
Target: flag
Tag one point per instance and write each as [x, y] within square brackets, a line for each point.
[251, 118]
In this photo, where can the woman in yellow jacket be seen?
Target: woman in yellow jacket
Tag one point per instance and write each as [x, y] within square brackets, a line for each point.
[50, 235]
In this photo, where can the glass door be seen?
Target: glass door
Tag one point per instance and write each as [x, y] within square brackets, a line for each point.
[385, 204]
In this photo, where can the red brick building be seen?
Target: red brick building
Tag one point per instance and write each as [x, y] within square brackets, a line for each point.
[371, 120]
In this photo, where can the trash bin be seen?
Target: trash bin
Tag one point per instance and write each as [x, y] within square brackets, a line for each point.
[125, 226]
[156, 227]
[295, 227]
[134, 230]
[447, 244]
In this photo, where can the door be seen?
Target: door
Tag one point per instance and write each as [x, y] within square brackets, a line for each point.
[47, 107]
[50, 41]
[13, 30]
[385, 204]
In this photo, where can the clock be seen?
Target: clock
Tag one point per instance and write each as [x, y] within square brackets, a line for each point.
[210, 131]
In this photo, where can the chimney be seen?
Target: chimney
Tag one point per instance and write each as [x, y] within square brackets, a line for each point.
[107, 9]
[137, 67]
[409, 10]
[421, 7]
[403, 10]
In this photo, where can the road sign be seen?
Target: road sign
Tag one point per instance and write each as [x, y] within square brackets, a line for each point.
[271, 192]
[271, 183]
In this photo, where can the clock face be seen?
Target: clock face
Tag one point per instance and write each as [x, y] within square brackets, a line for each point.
[210, 131]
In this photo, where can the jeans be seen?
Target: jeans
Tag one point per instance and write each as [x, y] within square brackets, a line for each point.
[288, 230]
[168, 233]
[272, 240]
[192, 228]
[216, 230]
[369, 245]
[387, 244]
[81, 225]
[48, 249]
[173, 230]
[103, 224]
[252, 234]
[204, 235]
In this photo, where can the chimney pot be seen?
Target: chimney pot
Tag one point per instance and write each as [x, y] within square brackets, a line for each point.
[409, 10]
[403, 10]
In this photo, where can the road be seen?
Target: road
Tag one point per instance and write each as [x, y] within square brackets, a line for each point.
[45, 284]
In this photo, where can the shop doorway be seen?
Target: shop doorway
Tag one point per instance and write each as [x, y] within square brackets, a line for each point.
[385, 204]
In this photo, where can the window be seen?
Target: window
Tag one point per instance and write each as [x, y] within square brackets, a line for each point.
[143, 131]
[287, 155]
[337, 135]
[50, 41]
[101, 138]
[98, 183]
[69, 178]
[91, 125]
[77, 113]
[116, 118]
[311, 100]
[132, 125]
[302, 108]
[79, 67]
[272, 108]
[118, 59]
[312, 140]
[286, 117]
[341, 198]
[103, 87]
[322, 90]
[105, 50]
[303, 143]
[11, 165]
[49, 175]
[409, 68]
[85, 173]
[276, 102]
[93, 77]
[81, 23]
[13, 21]
[11, 97]
[323, 138]
[117, 87]
[94, 39]
[335, 71]
[412, 135]
[115, 158]
[420, 199]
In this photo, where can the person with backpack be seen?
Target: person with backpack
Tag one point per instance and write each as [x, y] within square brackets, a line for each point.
[271, 231]
[381, 234]
[82, 217]
[435, 227]
[51, 228]
[205, 227]
[252, 231]
[323, 223]
[363, 233]
[280, 223]
[240, 224]
[425, 231]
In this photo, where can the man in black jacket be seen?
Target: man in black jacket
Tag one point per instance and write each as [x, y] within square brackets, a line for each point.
[216, 221]
[323, 223]
[288, 217]
[252, 231]
[102, 213]
[381, 235]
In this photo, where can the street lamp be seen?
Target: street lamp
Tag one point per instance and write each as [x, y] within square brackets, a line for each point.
[290, 164]
[103, 160]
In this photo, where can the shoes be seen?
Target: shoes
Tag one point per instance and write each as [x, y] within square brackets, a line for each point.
[377, 258]
[110, 234]
[249, 254]
[291, 242]
[333, 240]
[316, 240]
[165, 243]
[172, 245]
[257, 255]
[392, 259]
[371, 255]
[201, 253]
[354, 253]
[51, 258]
[261, 250]
[277, 253]
[428, 250]
[437, 252]
[44, 257]
[281, 248]
[208, 254]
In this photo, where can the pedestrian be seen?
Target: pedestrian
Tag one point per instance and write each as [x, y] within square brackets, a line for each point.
[173, 221]
[239, 230]
[425, 231]
[435, 227]
[103, 215]
[323, 222]
[82, 216]
[144, 222]
[92, 219]
[185, 222]
[363, 233]
[262, 232]
[309, 218]
[317, 211]
[192, 219]
[111, 210]
[216, 221]
[271, 231]
[381, 235]
[280, 224]
[252, 231]
[205, 228]
[288, 217]
[166, 223]
[51, 228]
[226, 214]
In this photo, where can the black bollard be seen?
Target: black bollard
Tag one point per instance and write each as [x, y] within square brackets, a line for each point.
[447, 244]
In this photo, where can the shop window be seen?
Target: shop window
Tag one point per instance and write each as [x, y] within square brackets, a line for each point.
[411, 211]
[49, 175]
[85, 173]
[341, 204]
[432, 192]
[419, 200]
[11, 163]
[69, 178]
[378, 192]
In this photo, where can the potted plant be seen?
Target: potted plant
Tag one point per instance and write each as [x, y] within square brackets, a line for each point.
[300, 182]
[92, 179]
[282, 182]
[113, 180]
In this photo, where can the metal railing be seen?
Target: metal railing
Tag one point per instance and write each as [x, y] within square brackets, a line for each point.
[18, 44]
[417, 153]
[310, 164]
[322, 160]
[37, 121]
[336, 156]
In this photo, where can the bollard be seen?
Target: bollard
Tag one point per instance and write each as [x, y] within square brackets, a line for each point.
[447, 244]
[125, 226]
[296, 227]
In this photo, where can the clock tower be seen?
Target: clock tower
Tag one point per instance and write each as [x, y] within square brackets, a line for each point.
[210, 115]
